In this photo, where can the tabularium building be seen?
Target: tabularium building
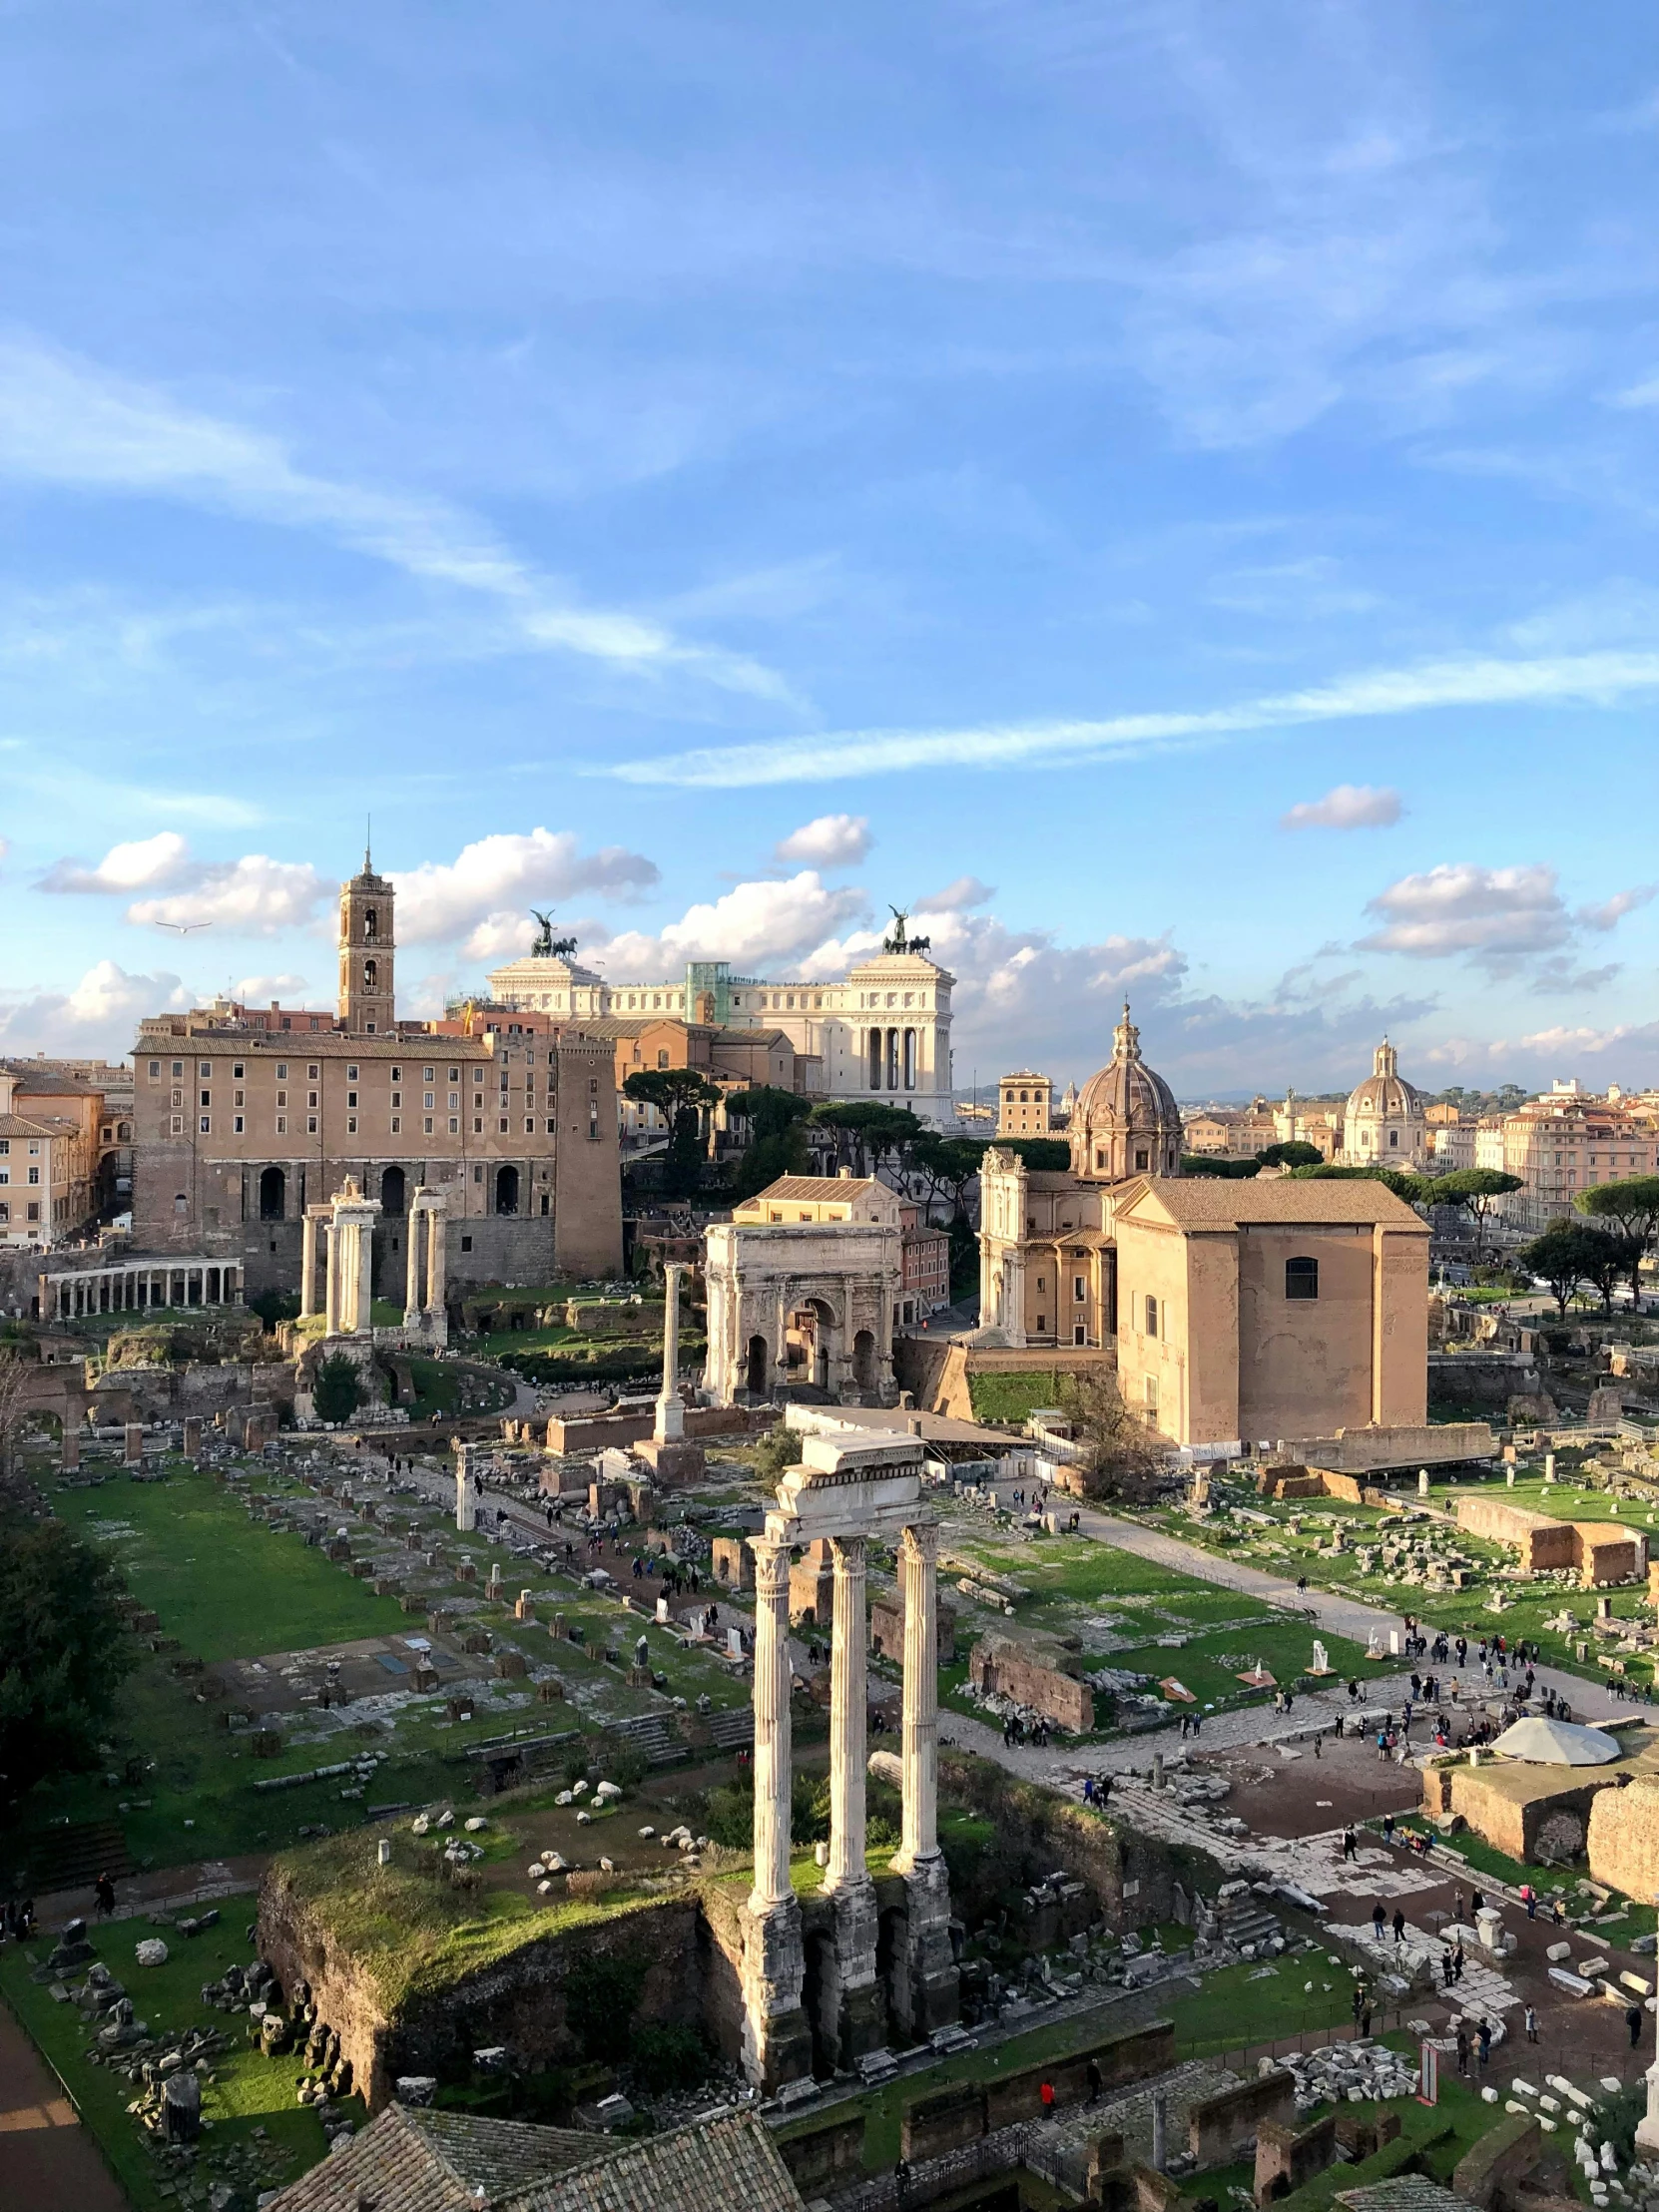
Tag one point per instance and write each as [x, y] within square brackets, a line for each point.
[245, 1116]
[883, 1030]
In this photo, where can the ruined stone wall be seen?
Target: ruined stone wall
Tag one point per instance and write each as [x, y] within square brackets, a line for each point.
[1131, 1877]
[1221, 2128]
[1542, 1543]
[518, 2000]
[1513, 1826]
[997, 1665]
[1608, 1555]
[1624, 1837]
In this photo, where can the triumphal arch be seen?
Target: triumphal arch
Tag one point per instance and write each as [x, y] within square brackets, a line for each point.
[878, 1954]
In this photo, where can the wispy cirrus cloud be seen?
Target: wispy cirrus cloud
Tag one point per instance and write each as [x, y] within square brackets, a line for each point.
[71, 422]
[1471, 682]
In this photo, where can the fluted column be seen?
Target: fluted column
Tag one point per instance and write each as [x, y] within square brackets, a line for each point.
[412, 1273]
[918, 1572]
[364, 1318]
[437, 1275]
[846, 1716]
[308, 1264]
[772, 1734]
[335, 1233]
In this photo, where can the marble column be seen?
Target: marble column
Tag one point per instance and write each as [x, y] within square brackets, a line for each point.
[335, 1233]
[776, 2043]
[416, 1219]
[437, 1272]
[935, 1991]
[670, 1424]
[856, 2025]
[363, 1318]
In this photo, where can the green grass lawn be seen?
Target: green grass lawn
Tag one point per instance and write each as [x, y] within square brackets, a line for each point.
[248, 2090]
[1011, 1399]
[225, 1586]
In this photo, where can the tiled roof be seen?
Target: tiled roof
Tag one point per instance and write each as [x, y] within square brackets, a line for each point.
[21, 1125]
[411, 2160]
[1214, 1201]
[817, 1185]
[728, 2165]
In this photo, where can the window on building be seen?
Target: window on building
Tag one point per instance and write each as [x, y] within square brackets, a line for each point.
[1152, 1317]
[207, 1067]
[351, 1125]
[1143, 1160]
[1394, 1139]
[310, 1125]
[155, 1071]
[282, 1125]
[206, 1124]
[1301, 1279]
[236, 1125]
[662, 1060]
[454, 1125]
[1079, 1289]
[206, 1099]
[351, 1098]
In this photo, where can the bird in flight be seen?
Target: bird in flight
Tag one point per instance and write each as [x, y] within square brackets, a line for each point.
[184, 928]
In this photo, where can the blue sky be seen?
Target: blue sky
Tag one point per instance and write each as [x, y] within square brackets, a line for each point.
[1167, 490]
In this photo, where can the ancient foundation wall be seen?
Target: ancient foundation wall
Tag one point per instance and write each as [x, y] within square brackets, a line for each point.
[1623, 1838]
[1131, 1877]
[999, 1666]
[1286, 2161]
[1221, 2128]
[1542, 1543]
[518, 2000]
[947, 2118]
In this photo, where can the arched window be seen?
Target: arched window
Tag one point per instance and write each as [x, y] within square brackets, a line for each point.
[1301, 1279]
[371, 923]
[661, 1057]
[506, 1190]
[273, 1195]
[371, 974]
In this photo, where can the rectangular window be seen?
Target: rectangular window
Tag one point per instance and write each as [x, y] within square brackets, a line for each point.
[1301, 1279]
[282, 1071]
[206, 1099]
[206, 1124]
[397, 1075]
[454, 1125]
[396, 1099]
[206, 1068]
[501, 1129]
[351, 1125]
[178, 1069]
[282, 1098]
[34, 1208]
[155, 1070]
[177, 1128]
[551, 1127]
[241, 1099]
[312, 1072]
[282, 1125]
[239, 1072]
[310, 1125]
[1152, 1317]
[454, 1075]
[351, 1075]
[529, 1125]
[397, 1125]
[429, 1101]
[454, 1100]
[1079, 1292]
[178, 1098]
[236, 1125]
[477, 1125]
[427, 1126]
[425, 1075]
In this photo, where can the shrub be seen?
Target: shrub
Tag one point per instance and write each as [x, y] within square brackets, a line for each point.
[336, 1390]
[666, 2059]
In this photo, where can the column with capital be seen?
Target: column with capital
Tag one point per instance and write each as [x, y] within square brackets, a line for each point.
[776, 2043]
[364, 1318]
[857, 2023]
[334, 1236]
[670, 1424]
[437, 1272]
[417, 1219]
[935, 1989]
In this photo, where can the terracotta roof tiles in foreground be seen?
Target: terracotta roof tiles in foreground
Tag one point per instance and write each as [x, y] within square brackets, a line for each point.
[434, 2161]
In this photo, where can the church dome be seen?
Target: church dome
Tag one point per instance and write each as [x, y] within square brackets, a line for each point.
[1125, 1121]
[1385, 1122]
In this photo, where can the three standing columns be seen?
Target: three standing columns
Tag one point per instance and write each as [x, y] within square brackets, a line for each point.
[848, 2000]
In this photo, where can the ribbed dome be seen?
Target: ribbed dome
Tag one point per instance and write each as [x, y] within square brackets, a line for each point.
[1126, 1121]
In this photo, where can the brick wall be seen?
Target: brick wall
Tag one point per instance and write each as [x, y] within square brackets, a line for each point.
[1219, 2128]
[1285, 2159]
[995, 1664]
[947, 2118]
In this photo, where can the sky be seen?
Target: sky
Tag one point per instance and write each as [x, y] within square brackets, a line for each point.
[1164, 494]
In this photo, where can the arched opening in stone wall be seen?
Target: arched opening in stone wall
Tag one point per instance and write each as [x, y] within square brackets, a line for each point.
[506, 1190]
[755, 1368]
[394, 1192]
[819, 2001]
[892, 1969]
[863, 1360]
[274, 1192]
[809, 1343]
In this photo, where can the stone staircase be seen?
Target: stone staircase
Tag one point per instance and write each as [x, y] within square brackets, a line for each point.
[1245, 1920]
[657, 1736]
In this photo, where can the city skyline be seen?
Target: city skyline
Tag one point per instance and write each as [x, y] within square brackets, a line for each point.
[1160, 498]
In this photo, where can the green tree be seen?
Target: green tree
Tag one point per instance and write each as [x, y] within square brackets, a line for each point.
[1615, 1262]
[1563, 1256]
[1416, 1190]
[1294, 1154]
[1043, 1155]
[274, 1307]
[868, 1129]
[965, 1258]
[63, 1652]
[1219, 1167]
[1634, 1205]
[947, 1165]
[683, 1097]
[1472, 1191]
[1121, 1454]
[337, 1388]
[775, 1146]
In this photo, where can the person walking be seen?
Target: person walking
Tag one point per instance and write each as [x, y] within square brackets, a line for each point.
[104, 1890]
[1633, 2022]
[1351, 1845]
[1400, 1926]
[1529, 1897]
[1096, 2084]
[1462, 2048]
[1531, 2021]
[1388, 1828]
[1377, 1918]
[1485, 2034]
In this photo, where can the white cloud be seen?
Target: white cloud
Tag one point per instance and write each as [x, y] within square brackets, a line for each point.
[1644, 394]
[259, 990]
[99, 1015]
[833, 840]
[143, 865]
[442, 899]
[1499, 918]
[1600, 678]
[965, 891]
[1560, 976]
[69, 421]
[754, 925]
[256, 897]
[1348, 807]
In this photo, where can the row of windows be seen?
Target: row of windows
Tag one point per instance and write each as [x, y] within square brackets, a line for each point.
[32, 1211]
[6, 1146]
[1302, 1280]
[239, 1072]
[239, 1128]
[6, 1175]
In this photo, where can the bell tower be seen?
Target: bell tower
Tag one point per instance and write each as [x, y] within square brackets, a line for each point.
[367, 946]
